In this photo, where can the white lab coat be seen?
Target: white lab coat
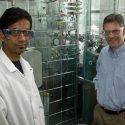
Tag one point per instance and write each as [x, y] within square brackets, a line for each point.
[20, 103]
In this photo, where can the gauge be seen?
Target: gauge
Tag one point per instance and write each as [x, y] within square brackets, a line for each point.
[56, 41]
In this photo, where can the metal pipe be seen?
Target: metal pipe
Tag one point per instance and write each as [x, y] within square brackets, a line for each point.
[13, 3]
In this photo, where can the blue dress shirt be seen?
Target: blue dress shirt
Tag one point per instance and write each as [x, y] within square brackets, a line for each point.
[110, 79]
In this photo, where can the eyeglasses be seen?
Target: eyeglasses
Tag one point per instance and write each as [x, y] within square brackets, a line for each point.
[18, 32]
[114, 32]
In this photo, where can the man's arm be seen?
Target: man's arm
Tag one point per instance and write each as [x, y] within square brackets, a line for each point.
[95, 80]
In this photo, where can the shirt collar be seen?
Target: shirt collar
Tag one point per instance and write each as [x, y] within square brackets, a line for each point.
[118, 50]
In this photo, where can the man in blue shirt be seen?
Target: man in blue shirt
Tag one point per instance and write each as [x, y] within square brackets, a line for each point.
[110, 79]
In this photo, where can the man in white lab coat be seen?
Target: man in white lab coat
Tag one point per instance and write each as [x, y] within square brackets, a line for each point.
[20, 103]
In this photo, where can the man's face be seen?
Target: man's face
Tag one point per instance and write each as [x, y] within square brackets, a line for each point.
[114, 34]
[13, 42]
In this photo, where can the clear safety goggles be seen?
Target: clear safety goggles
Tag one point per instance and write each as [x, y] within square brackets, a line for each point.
[18, 32]
[114, 32]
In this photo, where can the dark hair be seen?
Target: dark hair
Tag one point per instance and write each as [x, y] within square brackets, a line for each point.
[114, 18]
[12, 15]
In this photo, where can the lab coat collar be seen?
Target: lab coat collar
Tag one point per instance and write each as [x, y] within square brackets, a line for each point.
[23, 63]
[7, 62]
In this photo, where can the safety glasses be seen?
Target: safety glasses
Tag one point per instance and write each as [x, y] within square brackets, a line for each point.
[114, 32]
[18, 32]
